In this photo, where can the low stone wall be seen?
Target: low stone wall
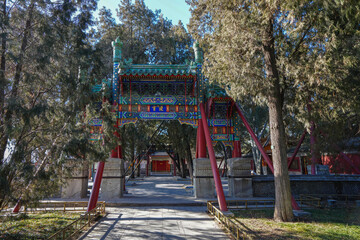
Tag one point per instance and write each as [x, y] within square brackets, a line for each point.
[263, 186]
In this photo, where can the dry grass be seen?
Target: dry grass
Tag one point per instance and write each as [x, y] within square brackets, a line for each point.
[323, 224]
[35, 226]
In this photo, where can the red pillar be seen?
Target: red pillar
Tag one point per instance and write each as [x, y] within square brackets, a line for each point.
[96, 187]
[117, 152]
[215, 170]
[237, 149]
[197, 144]
[200, 141]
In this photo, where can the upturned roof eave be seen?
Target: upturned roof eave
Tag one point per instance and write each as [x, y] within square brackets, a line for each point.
[157, 70]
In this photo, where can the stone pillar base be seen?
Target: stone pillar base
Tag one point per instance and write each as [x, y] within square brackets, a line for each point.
[72, 188]
[204, 186]
[113, 180]
[74, 184]
[239, 177]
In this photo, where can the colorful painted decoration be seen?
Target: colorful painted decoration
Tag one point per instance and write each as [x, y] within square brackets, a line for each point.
[168, 92]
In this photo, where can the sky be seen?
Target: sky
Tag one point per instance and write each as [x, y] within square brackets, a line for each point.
[174, 10]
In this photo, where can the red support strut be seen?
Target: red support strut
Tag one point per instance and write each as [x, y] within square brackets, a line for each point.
[297, 148]
[294, 204]
[257, 142]
[215, 170]
[17, 206]
[96, 187]
[349, 161]
[116, 153]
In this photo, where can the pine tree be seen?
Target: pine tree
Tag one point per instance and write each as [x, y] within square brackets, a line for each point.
[42, 119]
[182, 139]
[286, 54]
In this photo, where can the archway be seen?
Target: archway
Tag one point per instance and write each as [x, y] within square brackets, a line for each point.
[175, 92]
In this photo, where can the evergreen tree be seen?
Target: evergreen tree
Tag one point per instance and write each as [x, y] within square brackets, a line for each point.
[283, 53]
[148, 37]
[182, 139]
[42, 123]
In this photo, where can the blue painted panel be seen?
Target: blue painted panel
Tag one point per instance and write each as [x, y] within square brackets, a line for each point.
[164, 116]
[158, 100]
[158, 108]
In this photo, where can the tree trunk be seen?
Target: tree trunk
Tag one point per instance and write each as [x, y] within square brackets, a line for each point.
[183, 168]
[190, 167]
[16, 81]
[3, 59]
[256, 158]
[314, 149]
[190, 162]
[40, 168]
[133, 164]
[176, 162]
[85, 180]
[226, 154]
[5, 116]
[180, 165]
[3, 143]
[283, 209]
[139, 167]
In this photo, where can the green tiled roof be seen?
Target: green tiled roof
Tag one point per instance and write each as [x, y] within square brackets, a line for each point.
[99, 87]
[158, 70]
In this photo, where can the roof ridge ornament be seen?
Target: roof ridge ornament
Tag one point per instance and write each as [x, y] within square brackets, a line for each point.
[117, 45]
[199, 54]
[127, 63]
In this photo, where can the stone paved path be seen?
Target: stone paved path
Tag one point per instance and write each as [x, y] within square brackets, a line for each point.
[146, 213]
[132, 223]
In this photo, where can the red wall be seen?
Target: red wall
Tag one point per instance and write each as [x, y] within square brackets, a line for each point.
[160, 166]
[340, 166]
